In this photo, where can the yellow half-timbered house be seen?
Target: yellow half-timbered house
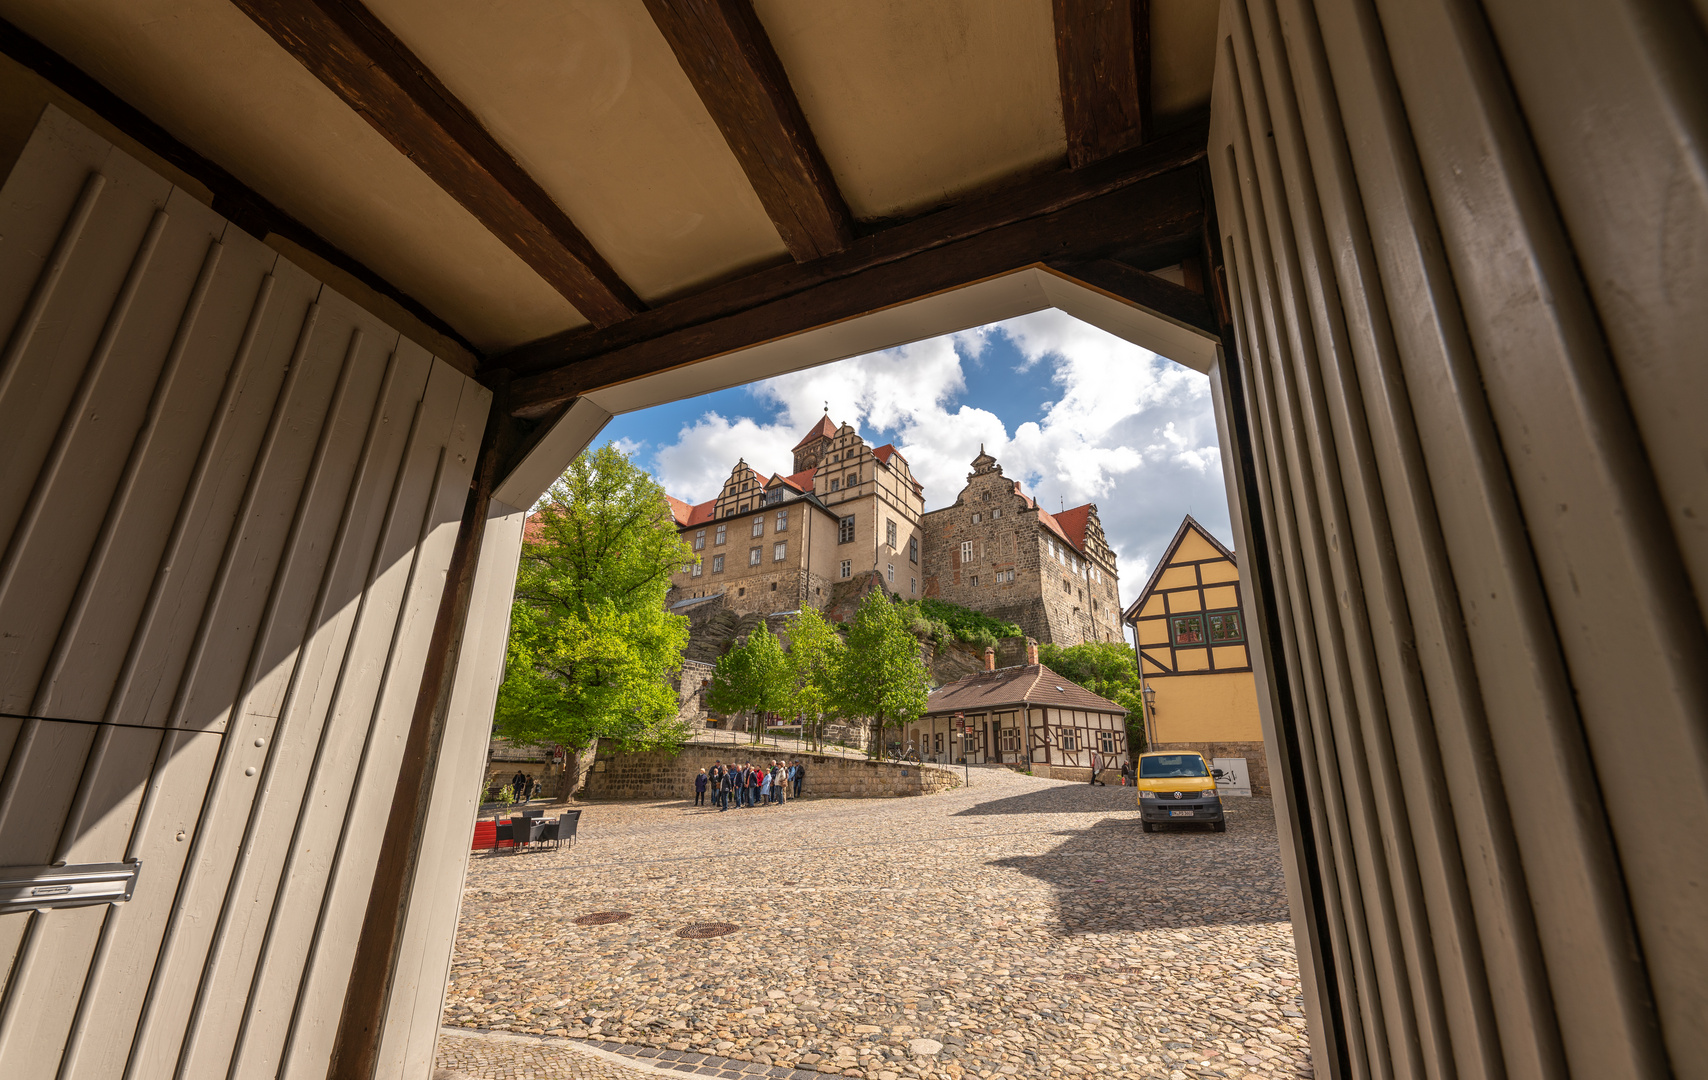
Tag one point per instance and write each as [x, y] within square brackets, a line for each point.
[1190, 629]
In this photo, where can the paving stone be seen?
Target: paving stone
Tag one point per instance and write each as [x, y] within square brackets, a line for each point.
[1029, 926]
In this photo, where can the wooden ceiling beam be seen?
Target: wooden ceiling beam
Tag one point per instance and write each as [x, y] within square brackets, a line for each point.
[1162, 214]
[1044, 195]
[1103, 61]
[1174, 302]
[724, 50]
[346, 47]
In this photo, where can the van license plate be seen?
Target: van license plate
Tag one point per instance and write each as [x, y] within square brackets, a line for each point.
[1180, 813]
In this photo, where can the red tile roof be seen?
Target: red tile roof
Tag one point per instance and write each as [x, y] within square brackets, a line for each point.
[1073, 523]
[1024, 684]
[801, 481]
[824, 430]
[679, 510]
[884, 452]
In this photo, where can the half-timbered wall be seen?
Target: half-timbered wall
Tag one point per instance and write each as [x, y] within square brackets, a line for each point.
[1465, 258]
[228, 498]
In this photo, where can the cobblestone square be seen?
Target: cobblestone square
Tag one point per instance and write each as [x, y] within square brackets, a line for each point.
[1015, 927]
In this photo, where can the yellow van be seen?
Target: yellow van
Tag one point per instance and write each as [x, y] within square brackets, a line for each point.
[1175, 787]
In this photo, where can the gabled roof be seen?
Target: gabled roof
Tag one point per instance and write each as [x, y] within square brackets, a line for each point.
[1073, 522]
[823, 430]
[1189, 524]
[679, 510]
[886, 451]
[801, 481]
[1023, 684]
[696, 515]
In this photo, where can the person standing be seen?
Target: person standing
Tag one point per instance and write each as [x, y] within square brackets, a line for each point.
[1096, 767]
[780, 783]
[800, 776]
[519, 786]
[753, 785]
[722, 771]
[1126, 774]
[700, 782]
[765, 785]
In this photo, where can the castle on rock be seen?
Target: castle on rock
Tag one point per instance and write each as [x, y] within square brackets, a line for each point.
[850, 513]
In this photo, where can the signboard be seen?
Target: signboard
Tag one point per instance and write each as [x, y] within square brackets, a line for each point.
[1231, 776]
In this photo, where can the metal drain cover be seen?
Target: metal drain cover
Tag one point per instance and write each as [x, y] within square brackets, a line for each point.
[600, 918]
[707, 929]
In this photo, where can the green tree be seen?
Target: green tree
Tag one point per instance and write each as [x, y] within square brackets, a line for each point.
[753, 676]
[1106, 668]
[592, 650]
[815, 656]
[882, 675]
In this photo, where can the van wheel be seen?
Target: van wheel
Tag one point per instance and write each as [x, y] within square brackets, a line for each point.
[1218, 826]
[1149, 827]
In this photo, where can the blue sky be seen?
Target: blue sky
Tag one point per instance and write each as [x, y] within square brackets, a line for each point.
[1073, 413]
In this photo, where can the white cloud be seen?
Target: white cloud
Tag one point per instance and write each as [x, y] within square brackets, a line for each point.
[1130, 431]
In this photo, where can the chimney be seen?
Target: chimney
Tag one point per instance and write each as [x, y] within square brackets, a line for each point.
[989, 658]
[1031, 651]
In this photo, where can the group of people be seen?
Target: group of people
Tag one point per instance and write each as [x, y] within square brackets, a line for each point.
[740, 785]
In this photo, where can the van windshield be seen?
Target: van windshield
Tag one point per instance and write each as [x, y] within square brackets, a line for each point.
[1163, 766]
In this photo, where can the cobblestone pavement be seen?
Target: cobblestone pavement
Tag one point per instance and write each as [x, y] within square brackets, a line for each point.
[1017, 927]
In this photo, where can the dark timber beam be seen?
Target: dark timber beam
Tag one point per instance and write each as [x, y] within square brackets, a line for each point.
[1174, 302]
[1103, 60]
[1045, 195]
[346, 47]
[1161, 216]
[232, 199]
[726, 54]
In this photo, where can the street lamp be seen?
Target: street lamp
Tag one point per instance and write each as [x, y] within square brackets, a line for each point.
[1150, 714]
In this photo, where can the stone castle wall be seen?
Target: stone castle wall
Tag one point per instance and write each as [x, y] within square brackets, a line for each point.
[660, 775]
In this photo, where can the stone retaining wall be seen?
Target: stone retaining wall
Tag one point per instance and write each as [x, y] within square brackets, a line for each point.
[659, 775]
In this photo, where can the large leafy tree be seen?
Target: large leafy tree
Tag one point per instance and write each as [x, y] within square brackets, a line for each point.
[882, 674]
[1105, 668]
[753, 676]
[816, 654]
[592, 649]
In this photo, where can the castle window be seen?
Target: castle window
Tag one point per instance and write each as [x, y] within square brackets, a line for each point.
[913, 549]
[913, 585]
[686, 567]
[1067, 586]
[852, 479]
[976, 518]
[847, 568]
[966, 551]
[1187, 629]
[891, 573]
[717, 564]
[1225, 627]
[753, 557]
[1004, 577]
[994, 514]
[975, 579]
[743, 509]
[891, 530]
[779, 552]
[782, 522]
[720, 537]
[700, 540]
[835, 484]
[773, 586]
[759, 526]
[699, 568]
[845, 530]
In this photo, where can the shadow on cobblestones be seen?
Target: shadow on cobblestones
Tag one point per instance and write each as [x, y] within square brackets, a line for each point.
[1112, 876]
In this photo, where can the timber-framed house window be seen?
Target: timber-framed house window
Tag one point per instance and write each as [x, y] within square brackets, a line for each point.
[1186, 629]
[1225, 627]
[845, 530]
